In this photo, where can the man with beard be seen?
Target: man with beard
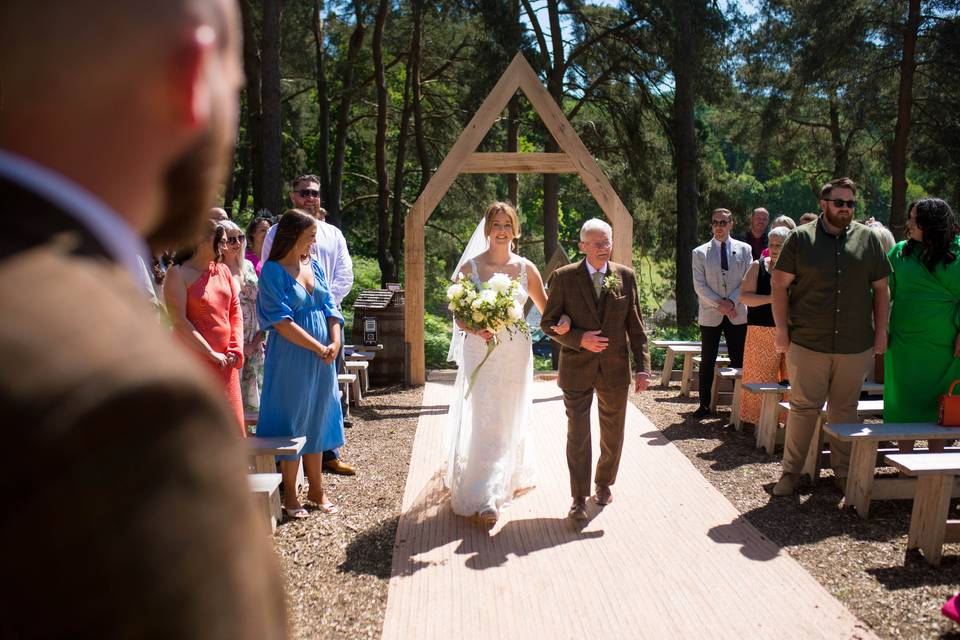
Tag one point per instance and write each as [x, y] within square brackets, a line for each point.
[330, 250]
[127, 512]
[830, 305]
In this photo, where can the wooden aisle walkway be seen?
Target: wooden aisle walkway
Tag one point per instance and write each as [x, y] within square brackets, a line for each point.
[669, 558]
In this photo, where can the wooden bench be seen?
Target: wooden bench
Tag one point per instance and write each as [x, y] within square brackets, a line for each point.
[346, 380]
[723, 362]
[936, 475]
[686, 348]
[266, 494]
[816, 456]
[265, 450]
[362, 385]
[861, 485]
[769, 422]
[691, 356]
[735, 374]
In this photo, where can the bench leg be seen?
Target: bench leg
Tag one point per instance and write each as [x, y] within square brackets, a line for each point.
[928, 521]
[767, 427]
[735, 410]
[715, 389]
[687, 372]
[863, 460]
[265, 464]
[667, 368]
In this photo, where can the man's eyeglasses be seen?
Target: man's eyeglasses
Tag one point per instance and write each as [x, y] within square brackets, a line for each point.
[720, 223]
[849, 204]
[599, 245]
[309, 193]
[235, 240]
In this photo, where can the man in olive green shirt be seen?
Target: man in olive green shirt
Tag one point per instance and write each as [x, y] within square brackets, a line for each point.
[830, 305]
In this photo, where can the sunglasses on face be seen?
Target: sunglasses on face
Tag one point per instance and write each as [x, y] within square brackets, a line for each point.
[849, 204]
[720, 223]
[235, 240]
[309, 193]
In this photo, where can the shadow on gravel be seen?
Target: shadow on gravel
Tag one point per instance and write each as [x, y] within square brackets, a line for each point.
[387, 412]
[371, 552]
[915, 572]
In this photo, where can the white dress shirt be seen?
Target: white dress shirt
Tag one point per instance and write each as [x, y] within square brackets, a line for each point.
[330, 250]
[120, 241]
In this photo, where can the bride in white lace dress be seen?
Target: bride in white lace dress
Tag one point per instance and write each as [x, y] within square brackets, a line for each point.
[489, 456]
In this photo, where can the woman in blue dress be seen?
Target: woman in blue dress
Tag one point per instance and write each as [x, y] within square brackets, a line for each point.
[300, 396]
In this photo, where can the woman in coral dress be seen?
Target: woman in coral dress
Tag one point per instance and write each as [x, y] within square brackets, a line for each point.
[204, 305]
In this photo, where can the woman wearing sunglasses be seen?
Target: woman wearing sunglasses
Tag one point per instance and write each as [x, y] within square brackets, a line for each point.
[203, 301]
[245, 275]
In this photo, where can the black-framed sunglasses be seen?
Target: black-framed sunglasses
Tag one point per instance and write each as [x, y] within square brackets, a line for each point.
[309, 193]
[719, 223]
[849, 204]
[235, 240]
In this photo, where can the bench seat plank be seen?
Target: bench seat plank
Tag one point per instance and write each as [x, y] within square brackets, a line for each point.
[920, 464]
[891, 431]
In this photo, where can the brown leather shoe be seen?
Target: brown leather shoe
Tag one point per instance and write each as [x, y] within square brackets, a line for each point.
[603, 495]
[339, 467]
[578, 510]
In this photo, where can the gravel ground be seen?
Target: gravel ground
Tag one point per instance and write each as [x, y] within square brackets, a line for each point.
[861, 562]
[338, 567]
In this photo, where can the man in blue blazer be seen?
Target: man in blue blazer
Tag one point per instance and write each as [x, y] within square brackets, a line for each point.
[718, 268]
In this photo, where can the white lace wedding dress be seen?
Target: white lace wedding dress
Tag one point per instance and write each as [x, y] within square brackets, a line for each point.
[489, 457]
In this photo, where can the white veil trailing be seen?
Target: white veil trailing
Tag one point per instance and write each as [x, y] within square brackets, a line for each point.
[458, 429]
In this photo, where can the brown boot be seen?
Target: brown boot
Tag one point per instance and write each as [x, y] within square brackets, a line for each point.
[787, 484]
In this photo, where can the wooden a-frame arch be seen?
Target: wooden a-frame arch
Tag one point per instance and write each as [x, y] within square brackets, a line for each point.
[463, 158]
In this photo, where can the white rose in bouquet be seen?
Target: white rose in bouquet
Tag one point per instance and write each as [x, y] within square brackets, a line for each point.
[500, 283]
[488, 296]
[455, 291]
[516, 311]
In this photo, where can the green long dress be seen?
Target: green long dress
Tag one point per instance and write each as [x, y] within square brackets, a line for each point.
[919, 365]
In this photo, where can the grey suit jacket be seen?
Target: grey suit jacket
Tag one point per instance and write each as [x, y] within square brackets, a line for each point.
[713, 285]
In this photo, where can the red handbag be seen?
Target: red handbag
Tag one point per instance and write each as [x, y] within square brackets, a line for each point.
[949, 415]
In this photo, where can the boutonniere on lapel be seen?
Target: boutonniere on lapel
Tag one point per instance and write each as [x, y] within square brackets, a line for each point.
[611, 284]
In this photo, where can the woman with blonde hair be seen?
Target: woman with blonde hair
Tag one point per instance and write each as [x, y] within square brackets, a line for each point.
[243, 271]
[489, 457]
[761, 362]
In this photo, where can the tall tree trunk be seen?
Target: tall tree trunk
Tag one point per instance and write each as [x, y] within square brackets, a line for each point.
[397, 214]
[387, 266]
[551, 181]
[841, 152]
[685, 150]
[333, 199]
[416, 61]
[513, 145]
[898, 193]
[251, 67]
[271, 95]
[243, 189]
[323, 102]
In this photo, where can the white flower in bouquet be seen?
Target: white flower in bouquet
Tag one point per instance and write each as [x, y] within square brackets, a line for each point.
[477, 303]
[516, 311]
[488, 296]
[500, 283]
[455, 291]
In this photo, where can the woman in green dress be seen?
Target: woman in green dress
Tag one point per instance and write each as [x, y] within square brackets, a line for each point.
[924, 353]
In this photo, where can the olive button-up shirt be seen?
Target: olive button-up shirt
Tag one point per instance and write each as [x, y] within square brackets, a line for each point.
[831, 297]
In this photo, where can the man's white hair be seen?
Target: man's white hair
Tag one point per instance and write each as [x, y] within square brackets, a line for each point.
[596, 224]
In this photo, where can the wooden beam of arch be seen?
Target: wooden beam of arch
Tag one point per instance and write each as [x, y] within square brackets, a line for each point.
[463, 158]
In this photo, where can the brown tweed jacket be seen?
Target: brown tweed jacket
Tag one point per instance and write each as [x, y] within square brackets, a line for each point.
[126, 509]
[616, 314]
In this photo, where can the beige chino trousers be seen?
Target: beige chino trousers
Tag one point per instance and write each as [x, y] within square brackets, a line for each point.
[815, 378]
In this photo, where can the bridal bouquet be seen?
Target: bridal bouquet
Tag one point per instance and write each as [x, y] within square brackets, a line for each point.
[492, 306]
